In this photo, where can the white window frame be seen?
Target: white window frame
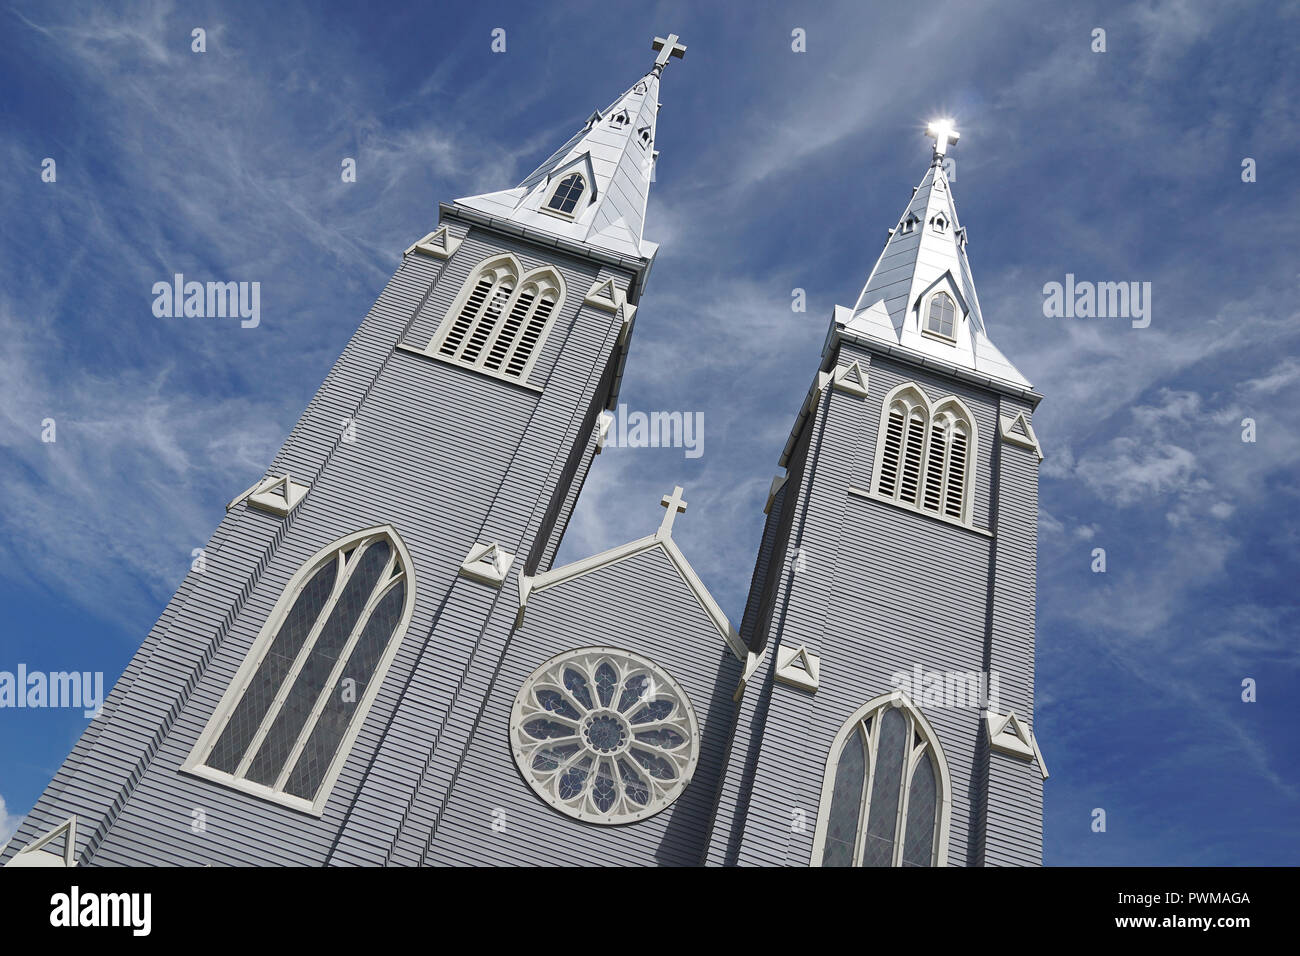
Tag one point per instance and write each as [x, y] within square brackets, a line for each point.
[194, 763]
[956, 317]
[543, 282]
[916, 722]
[578, 206]
[950, 405]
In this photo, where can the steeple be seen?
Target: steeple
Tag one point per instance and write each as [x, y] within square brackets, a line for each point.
[925, 255]
[593, 189]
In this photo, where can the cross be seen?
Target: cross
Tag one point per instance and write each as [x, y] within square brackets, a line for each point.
[667, 48]
[944, 135]
[675, 506]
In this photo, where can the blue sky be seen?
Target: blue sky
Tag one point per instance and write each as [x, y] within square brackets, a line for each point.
[778, 171]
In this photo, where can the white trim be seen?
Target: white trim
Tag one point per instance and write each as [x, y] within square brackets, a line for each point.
[778, 483]
[1028, 440]
[487, 563]
[931, 410]
[440, 244]
[915, 509]
[624, 810]
[510, 282]
[943, 779]
[752, 663]
[789, 669]
[469, 368]
[235, 691]
[604, 294]
[561, 575]
[852, 379]
[260, 496]
[1011, 735]
[947, 282]
[625, 330]
[557, 179]
[34, 855]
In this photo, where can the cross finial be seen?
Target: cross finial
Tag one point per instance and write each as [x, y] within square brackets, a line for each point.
[667, 48]
[944, 135]
[675, 506]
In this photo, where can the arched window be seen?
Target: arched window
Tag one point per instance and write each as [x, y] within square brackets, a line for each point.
[940, 319]
[500, 320]
[885, 794]
[566, 195]
[925, 453]
[287, 720]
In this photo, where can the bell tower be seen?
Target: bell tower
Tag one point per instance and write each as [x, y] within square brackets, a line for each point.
[890, 622]
[305, 685]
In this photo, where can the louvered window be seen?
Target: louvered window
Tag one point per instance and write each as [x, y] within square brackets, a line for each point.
[284, 726]
[954, 495]
[925, 454]
[502, 319]
[913, 450]
[934, 466]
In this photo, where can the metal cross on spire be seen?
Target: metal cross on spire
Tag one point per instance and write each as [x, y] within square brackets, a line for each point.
[667, 48]
[944, 135]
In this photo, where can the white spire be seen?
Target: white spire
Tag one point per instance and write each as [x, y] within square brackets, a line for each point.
[925, 254]
[614, 154]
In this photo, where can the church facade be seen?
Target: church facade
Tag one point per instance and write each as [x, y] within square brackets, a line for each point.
[379, 664]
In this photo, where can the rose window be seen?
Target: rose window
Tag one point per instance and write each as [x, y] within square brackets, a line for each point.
[604, 735]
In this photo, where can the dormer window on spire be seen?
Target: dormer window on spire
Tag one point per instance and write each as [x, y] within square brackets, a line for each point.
[565, 196]
[940, 318]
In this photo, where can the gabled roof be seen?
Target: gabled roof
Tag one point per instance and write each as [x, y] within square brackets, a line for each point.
[661, 540]
[616, 149]
[915, 262]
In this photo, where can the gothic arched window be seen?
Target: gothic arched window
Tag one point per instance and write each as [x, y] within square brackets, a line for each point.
[287, 721]
[500, 320]
[564, 198]
[885, 795]
[940, 319]
[925, 453]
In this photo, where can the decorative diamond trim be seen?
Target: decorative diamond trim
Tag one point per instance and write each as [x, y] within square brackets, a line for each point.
[796, 667]
[489, 563]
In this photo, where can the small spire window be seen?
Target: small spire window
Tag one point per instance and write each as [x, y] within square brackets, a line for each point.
[566, 195]
[941, 317]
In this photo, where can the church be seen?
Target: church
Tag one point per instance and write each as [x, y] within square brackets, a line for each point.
[379, 663]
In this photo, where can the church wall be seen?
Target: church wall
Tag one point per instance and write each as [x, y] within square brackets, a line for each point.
[884, 589]
[419, 446]
[641, 604]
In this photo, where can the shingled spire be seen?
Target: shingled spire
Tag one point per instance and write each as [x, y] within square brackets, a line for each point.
[614, 156]
[926, 253]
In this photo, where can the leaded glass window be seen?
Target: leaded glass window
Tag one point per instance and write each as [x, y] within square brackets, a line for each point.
[884, 806]
[286, 722]
[604, 735]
